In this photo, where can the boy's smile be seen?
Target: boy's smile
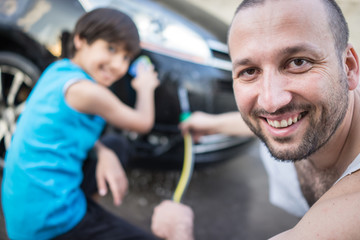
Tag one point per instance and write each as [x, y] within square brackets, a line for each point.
[105, 62]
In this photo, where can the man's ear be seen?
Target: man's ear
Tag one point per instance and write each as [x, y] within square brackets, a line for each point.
[352, 67]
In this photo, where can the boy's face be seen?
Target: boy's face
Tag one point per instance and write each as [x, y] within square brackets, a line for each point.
[105, 62]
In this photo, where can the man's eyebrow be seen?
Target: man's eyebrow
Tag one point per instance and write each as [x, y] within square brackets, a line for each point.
[288, 51]
[241, 62]
[300, 48]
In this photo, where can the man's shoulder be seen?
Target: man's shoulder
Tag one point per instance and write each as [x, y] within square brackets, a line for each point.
[348, 185]
[334, 216]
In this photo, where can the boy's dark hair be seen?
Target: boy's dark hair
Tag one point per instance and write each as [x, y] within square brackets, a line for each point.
[107, 24]
[336, 20]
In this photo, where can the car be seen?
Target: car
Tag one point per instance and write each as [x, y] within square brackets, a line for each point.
[186, 45]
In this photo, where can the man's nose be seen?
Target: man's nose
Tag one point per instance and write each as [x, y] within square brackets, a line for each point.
[274, 93]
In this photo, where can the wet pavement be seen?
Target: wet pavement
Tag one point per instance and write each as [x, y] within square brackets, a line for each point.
[230, 199]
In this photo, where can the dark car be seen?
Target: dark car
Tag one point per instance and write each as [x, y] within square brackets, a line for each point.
[186, 45]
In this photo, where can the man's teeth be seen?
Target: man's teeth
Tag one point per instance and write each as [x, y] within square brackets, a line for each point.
[283, 123]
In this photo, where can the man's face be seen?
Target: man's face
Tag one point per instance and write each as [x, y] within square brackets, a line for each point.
[288, 83]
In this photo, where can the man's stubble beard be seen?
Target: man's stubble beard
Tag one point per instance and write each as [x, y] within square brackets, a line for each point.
[318, 133]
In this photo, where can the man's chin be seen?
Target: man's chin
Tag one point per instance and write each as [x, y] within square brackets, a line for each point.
[285, 152]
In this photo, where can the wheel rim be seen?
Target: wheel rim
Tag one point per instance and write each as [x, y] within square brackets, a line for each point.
[15, 87]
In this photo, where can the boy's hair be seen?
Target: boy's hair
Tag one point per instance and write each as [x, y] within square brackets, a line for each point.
[107, 24]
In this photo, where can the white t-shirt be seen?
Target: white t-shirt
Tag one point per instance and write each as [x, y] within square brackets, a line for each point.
[284, 186]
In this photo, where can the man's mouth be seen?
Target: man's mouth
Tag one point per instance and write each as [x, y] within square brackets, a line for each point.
[283, 123]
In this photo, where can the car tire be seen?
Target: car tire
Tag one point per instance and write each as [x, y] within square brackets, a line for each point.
[18, 76]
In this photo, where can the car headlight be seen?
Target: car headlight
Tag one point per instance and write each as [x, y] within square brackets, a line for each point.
[160, 31]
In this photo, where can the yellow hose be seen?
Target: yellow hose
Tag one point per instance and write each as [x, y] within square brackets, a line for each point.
[187, 169]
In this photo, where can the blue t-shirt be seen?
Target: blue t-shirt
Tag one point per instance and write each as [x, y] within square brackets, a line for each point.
[41, 197]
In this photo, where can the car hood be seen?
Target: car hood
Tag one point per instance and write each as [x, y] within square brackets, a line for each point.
[204, 23]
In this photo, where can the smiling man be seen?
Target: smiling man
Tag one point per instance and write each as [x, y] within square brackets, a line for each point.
[295, 82]
[296, 86]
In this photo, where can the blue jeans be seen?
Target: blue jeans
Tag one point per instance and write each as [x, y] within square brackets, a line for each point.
[99, 224]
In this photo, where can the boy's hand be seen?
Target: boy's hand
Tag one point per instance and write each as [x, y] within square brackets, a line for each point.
[173, 221]
[146, 78]
[110, 172]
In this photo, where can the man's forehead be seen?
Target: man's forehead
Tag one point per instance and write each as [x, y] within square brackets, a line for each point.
[245, 4]
[284, 22]
[274, 13]
[278, 6]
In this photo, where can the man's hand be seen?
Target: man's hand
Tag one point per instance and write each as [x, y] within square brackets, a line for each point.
[199, 124]
[110, 172]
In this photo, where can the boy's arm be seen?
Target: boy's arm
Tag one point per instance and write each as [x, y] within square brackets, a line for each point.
[110, 172]
[91, 98]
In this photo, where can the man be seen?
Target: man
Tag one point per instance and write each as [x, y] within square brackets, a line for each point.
[295, 83]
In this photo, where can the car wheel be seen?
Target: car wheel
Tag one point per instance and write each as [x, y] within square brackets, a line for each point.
[17, 77]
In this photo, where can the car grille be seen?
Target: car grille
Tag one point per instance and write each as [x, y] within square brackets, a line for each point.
[220, 55]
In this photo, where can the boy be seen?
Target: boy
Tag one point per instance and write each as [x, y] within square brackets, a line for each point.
[62, 121]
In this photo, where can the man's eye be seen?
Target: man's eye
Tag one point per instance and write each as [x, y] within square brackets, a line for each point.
[299, 65]
[298, 62]
[248, 74]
